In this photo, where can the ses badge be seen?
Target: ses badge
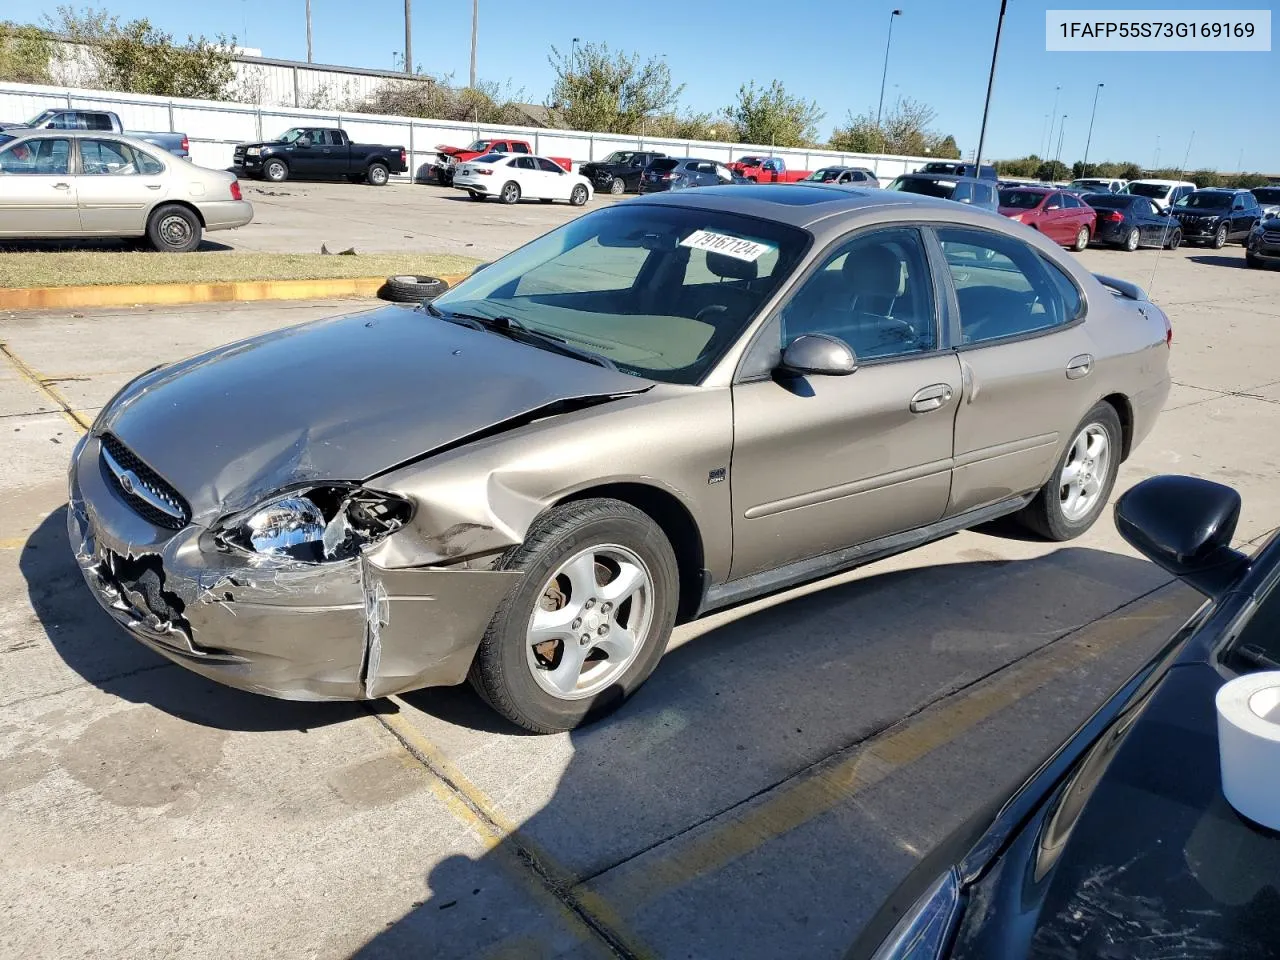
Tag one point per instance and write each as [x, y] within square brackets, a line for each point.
[724, 244]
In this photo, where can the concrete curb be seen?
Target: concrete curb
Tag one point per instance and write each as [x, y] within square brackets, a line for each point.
[128, 295]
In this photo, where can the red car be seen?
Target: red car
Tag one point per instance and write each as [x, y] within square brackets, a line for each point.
[1060, 216]
[766, 170]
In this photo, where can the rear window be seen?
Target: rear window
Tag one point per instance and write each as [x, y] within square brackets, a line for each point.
[943, 189]
[664, 163]
[1021, 199]
[491, 158]
[1152, 191]
[1109, 201]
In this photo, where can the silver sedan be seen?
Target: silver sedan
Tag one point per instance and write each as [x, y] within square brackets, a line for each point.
[63, 184]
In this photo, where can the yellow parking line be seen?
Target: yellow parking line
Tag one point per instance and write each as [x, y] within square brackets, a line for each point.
[45, 386]
[594, 919]
[800, 801]
[12, 543]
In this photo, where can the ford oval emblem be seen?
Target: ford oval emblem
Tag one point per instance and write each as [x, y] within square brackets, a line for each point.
[126, 481]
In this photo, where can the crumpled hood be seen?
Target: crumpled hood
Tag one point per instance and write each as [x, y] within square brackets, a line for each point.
[260, 144]
[340, 399]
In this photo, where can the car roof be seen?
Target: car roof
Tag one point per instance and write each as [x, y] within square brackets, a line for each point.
[1031, 187]
[962, 178]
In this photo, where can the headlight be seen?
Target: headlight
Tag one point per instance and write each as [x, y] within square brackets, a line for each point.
[317, 524]
[925, 929]
[253, 151]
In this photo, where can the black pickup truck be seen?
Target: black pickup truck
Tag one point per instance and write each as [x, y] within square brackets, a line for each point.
[319, 153]
[620, 171]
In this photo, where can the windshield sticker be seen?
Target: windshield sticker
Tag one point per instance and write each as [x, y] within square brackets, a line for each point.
[734, 247]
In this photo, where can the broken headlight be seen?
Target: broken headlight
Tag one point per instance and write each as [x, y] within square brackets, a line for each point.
[317, 524]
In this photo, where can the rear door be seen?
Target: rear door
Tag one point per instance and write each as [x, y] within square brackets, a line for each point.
[1025, 360]
[117, 186]
[37, 191]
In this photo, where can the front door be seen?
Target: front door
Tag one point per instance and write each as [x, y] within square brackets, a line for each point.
[1025, 360]
[117, 186]
[37, 191]
[826, 462]
[1055, 224]
[556, 183]
[306, 155]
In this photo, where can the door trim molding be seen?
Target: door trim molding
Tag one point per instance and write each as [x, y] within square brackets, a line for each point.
[801, 571]
[998, 450]
[853, 488]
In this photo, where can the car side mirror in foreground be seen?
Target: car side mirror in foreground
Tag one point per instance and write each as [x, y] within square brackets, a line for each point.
[820, 355]
[1184, 525]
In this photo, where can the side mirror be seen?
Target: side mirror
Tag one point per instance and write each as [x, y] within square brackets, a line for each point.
[1184, 525]
[818, 354]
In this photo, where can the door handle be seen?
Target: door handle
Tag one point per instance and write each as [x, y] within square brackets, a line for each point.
[1079, 367]
[62, 186]
[153, 186]
[931, 397]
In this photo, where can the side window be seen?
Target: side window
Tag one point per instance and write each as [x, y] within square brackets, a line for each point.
[874, 292]
[519, 148]
[107, 158]
[98, 121]
[548, 166]
[500, 147]
[49, 157]
[1003, 286]
[1142, 207]
[963, 193]
[982, 193]
[524, 163]
[1072, 303]
[62, 121]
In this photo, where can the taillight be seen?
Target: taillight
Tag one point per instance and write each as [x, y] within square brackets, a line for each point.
[402, 158]
[1114, 216]
[186, 147]
[668, 176]
[235, 190]
[483, 172]
[1168, 332]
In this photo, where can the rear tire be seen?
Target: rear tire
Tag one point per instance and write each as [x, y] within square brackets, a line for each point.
[578, 197]
[510, 192]
[173, 229]
[1132, 239]
[1082, 240]
[409, 289]
[378, 174]
[515, 676]
[618, 187]
[275, 171]
[1054, 514]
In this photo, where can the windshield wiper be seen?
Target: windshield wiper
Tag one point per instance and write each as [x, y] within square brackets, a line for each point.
[1257, 657]
[513, 329]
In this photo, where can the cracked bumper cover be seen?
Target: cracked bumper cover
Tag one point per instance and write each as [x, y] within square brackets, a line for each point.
[335, 631]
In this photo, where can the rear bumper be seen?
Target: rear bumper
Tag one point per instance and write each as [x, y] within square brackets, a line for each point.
[226, 214]
[1107, 232]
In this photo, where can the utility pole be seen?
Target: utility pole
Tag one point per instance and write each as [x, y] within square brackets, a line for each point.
[1062, 129]
[991, 82]
[408, 36]
[1084, 170]
[885, 73]
[475, 28]
[1053, 114]
[309, 31]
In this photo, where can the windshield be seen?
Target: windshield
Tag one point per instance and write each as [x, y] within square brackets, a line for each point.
[1267, 194]
[940, 168]
[40, 118]
[1021, 199]
[1204, 201]
[925, 186]
[292, 134]
[1108, 201]
[660, 291]
[825, 174]
[751, 161]
[480, 146]
[1152, 191]
[620, 156]
[664, 163]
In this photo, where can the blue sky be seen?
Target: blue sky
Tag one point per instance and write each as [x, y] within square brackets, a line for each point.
[828, 51]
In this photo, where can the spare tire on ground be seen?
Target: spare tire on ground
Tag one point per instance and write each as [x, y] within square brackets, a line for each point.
[407, 289]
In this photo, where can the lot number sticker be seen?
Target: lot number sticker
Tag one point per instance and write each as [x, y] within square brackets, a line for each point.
[734, 247]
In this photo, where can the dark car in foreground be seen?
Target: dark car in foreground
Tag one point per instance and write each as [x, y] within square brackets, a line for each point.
[971, 190]
[1129, 222]
[620, 171]
[1263, 246]
[504, 485]
[1122, 845]
[1217, 216]
[681, 173]
[319, 153]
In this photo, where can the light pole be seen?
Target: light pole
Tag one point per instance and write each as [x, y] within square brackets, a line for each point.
[1084, 170]
[475, 28]
[308, 31]
[573, 52]
[1155, 164]
[1062, 129]
[1048, 144]
[408, 36]
[991, 82]
[885, 73]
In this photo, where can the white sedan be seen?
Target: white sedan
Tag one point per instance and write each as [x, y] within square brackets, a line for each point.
[513, 176]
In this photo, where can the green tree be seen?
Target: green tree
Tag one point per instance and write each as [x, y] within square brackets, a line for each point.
[438, 99]
[906, 129]
[138, 57]
[770, 115]
[946, 148]
[1052, 170]
[598, 89]
[1205, 178]
[691, 126]
[26, 53]
[859, 135]
[1250, 180]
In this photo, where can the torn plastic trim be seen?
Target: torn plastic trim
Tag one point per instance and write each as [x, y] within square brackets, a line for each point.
[557, 408]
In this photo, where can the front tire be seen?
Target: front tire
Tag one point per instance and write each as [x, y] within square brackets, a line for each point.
[1175, 240]
[579, 195]
[173, 229]
[1220, 238]
[275, 171]
[1251, 261]
[378, 174]
[1082, 240]
[1077, 491]
[589, 621]
[510, 192]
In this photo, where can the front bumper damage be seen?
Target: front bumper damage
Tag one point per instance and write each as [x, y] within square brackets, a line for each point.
[331, 631]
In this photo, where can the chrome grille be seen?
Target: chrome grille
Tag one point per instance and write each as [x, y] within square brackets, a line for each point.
[141, 487]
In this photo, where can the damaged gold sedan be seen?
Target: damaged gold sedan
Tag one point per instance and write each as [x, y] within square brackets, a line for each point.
[661, 408]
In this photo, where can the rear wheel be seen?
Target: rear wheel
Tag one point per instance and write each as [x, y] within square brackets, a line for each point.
[579, 195]
[378, 174]
[276, 171]
[1075, 495]
[1220, 237]
[1131, 240]
[173, 229]
[588, 622]
[1082, 239]
[617, 187]
[510, 192]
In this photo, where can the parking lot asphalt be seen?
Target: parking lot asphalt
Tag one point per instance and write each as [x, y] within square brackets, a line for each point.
[297, 217]
[784, 767]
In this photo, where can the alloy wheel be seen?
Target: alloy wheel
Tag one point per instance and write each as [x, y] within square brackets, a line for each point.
[1085, 471]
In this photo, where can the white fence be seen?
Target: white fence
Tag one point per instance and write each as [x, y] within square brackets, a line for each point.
[214, 128]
